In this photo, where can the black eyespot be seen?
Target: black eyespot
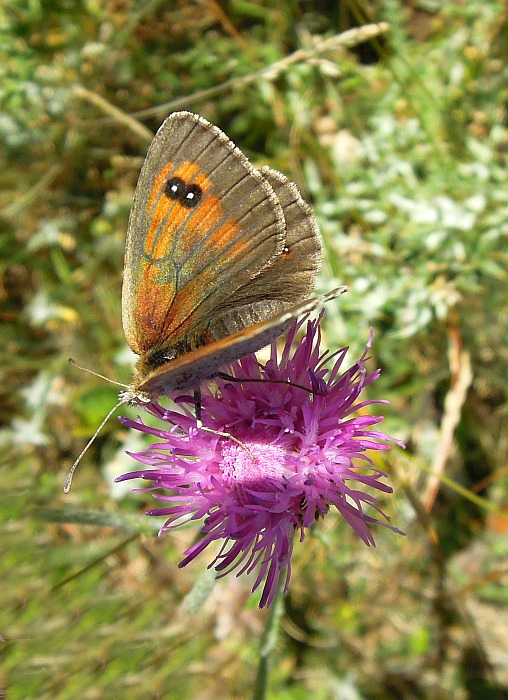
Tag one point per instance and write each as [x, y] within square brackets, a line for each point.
[175, 188]
[188, 195]
[192, 195]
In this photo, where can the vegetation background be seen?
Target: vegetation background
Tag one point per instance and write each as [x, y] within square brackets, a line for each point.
[401, 145]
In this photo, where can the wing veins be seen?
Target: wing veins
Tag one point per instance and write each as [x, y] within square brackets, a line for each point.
[163, 224]
[230, 244]
[210, 231]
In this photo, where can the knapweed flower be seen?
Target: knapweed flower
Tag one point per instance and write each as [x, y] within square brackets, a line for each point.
[281, 448]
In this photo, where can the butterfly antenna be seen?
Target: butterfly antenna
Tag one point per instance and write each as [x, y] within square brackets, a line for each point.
[96, 374]
[68, 479]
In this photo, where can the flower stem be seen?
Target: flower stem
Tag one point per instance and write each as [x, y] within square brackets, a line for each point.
[267, 643]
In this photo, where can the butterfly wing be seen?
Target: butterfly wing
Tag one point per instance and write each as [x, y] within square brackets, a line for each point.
[204, 222]
[189, 370]
[220, 258]
[289, 279]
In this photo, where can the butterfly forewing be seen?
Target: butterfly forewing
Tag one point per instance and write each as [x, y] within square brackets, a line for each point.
[183, 253]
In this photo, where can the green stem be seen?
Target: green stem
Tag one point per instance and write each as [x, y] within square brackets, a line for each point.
[268, 641]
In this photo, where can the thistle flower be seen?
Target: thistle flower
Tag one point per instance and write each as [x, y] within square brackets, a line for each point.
[280, 457]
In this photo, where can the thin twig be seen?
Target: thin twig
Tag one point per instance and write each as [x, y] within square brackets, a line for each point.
[117, 114]
[347, 39]
[462, 375]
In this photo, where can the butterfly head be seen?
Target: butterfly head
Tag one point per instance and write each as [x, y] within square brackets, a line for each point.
[133, 396]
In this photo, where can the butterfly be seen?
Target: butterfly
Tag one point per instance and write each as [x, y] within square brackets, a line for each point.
[220, 259]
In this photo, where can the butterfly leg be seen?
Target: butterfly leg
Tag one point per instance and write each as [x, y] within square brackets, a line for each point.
[286, 382]
[197, 408]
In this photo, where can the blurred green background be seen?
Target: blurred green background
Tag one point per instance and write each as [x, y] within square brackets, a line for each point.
[400, 142]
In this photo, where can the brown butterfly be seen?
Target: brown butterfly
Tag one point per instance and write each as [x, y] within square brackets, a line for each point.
[220, 258]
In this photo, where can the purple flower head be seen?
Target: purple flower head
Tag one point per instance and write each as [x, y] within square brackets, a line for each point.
[280, 457]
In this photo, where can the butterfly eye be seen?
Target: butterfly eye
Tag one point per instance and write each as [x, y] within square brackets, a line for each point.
[193, 194]
[175, 188]
[159, 358]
